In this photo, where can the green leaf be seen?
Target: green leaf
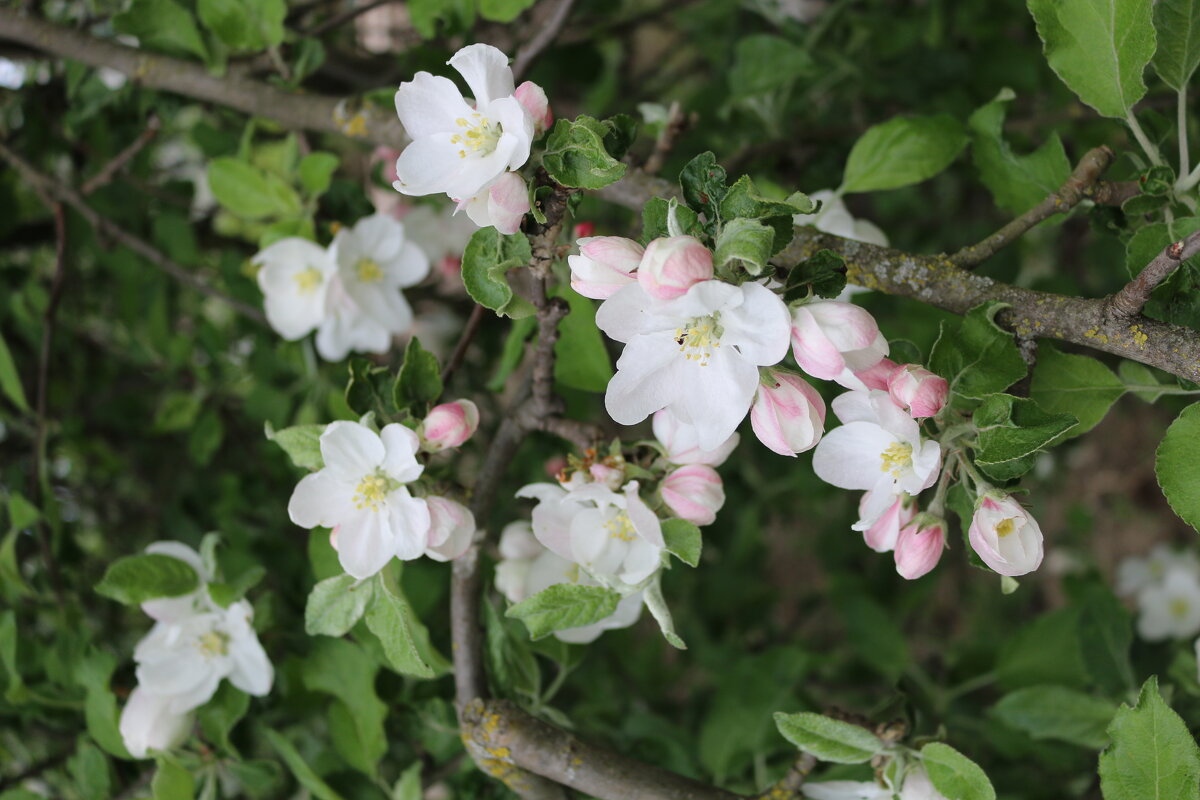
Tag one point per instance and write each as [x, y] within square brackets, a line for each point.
[955, 775]
[903, 151]
[745, 243]
[405, 640]
[1074, 384]
[763, 63]
[1017, 182]
[703, 183]
[162, 25]
[829, 739]
[1152, 755]
[502, 10]
[8, 657]
[259, 777]
[1150, 240]
[1047, 650]
[218, 716]
[824, 274]
[1105, 636]
[136, 579]
[205, 437]
[299, 767]
[657, 605]
[576, 155]
[302, 443]
[408, 786]
[177, 412]
[1177, 465]
[89, 769]
[654, 219]
[227, 593]
[1099, 48]
[1177, 25]
[244, 24]
[979, 358]
[335, 605]
[345, 671]
[1140, 380]
[172, 782]
[249, 192]
[683, 540]
[563, 606]
[1013, 431]
[489, 255]
[581, 357]
[10, 381]
[1056, 712]
[316, 171]
[419, 382]
[100, 704]
[370, 388]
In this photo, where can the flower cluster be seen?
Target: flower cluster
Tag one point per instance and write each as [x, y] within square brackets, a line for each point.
[362, 492]
[469, 150]
[348, 292]
[1165, 587]
[193, 645]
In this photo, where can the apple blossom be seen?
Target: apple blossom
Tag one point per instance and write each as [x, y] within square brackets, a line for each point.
[680, 441]
[694, 492]
[502, 205]
[147, 723]
[361, 490]
[832, 340]
[448, 425]
[696, 355]
[604, 265]
[375, 261]
[441, 233]
[457, 148]
[919, 546]
[673, 265]
[1170, 608]
[1004, 535]
[347, 328]
[917, 786]
[1137, 573]
[917, 390]
[876, 377]
[788, 416]
[845, 790]
[451, 529]
[833, 217]
[526, 568]
[533, 99]
[880, 531]
[294, 275]
[170, 609]
[878, 448]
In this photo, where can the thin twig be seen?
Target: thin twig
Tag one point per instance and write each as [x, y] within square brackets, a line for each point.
[677, 122]
[118, 162]
[534, 47]
[66, 194]
[1130, 301]
[1112, 193]
[346, 16]
[464, 341]
[1086, 173]
[789, 785]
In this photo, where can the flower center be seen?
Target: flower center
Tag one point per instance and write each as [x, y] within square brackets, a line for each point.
[1178, 608]
[479, 135]
[213, 643]
[308, 280]
[699, 337]
[621, 527]
[368, 270]
[372, 490]
[1005, 527]
[896, 459]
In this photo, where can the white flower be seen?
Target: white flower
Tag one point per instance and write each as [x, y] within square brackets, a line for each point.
[451, 529]
[788, 415]
[917, 786]
[615, 537]
[502, 206]
[1004, 535]
[294, 275]
[361, 489]
[459, 149]
[375, 261]
[697, 355]
[833, 340]
[1137, 573]
[347, 328]
[878, 448]
[1171, 608]
[835, 218]
[845, 790]
[694, 492]
[171, 609]
[147, 723]
[604, 265]
[681, 440]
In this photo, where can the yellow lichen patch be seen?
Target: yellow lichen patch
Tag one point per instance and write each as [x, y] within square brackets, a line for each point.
[502, 753]
[1094, 333]
[1139, 336]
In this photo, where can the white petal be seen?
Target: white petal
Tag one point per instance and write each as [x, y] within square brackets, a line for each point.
[716, 397]
[848, 457]
[517, 139]
[647, 379]
[366, 543]
[760, 327]
[351, 450]
[486, 71]
[385, 305]
[148, 724]
[408, 518]
[431, 165]
[629, 312]
[408, 267]
[401, 444]
[321, 500]
[252, 671]
[430, 104]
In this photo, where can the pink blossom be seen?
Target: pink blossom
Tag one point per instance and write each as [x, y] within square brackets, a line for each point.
[917, 389]
[694, 493]
[832, 340]
[919, 546]
[449, 425]
[451, 528]
[604, 265]
[681, 441]
[881, 533]
[502, 205]
[876, 377]
[1005, 536]
[533, 99]
[788, 416]
[673, 265]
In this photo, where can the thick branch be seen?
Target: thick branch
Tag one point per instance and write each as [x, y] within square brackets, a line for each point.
[1129, 302]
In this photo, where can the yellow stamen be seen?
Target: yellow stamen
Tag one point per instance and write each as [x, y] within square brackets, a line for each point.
[213, 643]
[372, 490]
[479, 136]
[699, 338]
[896, 458]
[368, 270]
[1005, 527]
[621, 527]
[308, 280]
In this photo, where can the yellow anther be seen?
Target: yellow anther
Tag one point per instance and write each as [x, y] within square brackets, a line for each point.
[213, 643]
[896, 458]
[1178, 608]
[371, 491]
[479, 135]
[308, 280]
[368, 270]
[621, 527]
[1005, 527]
[699, 338]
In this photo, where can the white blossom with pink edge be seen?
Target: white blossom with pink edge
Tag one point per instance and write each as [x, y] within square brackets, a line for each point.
[671, 266]
[533, 99]
[881, 530]
[448, 425]
[833, 217]
[459, 148]
[832, 340]
[502, 206]
[876, 377]
[697, 355]
[788, 416]
[681, 441]
[526, 568]
[879, 447]
[361, 490]
[917, 390]
[694, 492]
[919, 546]
[604, 265]
[451, 529]
[1004, 535]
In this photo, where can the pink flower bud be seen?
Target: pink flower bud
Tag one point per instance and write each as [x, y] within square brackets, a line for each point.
[694, 493]
[831, 340]
[882, 533]
[610, 476]
[681, 441]
[585, 229]
[533, 99]
[919, 546]
[673, 265]
[876, 377]
[449, 425]
[918, 390]
[1005, 536]
[502, 206]
[604, 265]
[788, 415]
[451, 528]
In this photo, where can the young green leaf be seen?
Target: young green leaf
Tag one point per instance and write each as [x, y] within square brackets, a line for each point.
[703, 183]
[405, 640]
[1013, 431]
[347, 672]
[683, 540]
[581, 357]
[302, 443]
[93, 672]
[1152, 753]
[745, 243]
[136, 579]
[1017, 182]
[955, 775]
[316, 171]
[657, 605]
[1066, 383]
[244, 24]
[226, 593]
[219, 715]
[563, 606]
[172, 782]
[903, 151]
[419, 382]
[487, 259]
[1177, 465]
[10, 381]
[980, 358]
[654, 219]
[249, 192]
[162, 25]
[299, 767]
[335, 605]
[1177, 25]
[829, 739]
[576, 155]
[1056, 712]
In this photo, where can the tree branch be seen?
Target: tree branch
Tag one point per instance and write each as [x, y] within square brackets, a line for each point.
[1129, 302]
[109, 170]
[542, 39]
